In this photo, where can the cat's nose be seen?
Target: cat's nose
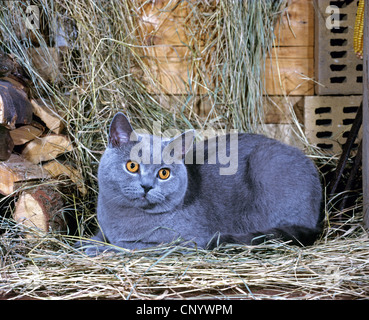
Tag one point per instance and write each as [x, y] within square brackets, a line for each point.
[146, 188]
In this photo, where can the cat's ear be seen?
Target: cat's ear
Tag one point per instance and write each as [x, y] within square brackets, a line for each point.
[121, 131]
[178, 147]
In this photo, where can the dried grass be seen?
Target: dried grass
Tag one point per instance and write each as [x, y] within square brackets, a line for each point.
[49, 268]
[95, 86]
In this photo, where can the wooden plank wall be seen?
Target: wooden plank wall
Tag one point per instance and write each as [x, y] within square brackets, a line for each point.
[166, 52]
[294, 49]
[162, 31]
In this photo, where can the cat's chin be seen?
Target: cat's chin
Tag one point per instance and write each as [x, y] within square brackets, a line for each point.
[152, 210]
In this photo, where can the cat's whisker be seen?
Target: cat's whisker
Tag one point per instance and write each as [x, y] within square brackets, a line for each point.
[157, 195]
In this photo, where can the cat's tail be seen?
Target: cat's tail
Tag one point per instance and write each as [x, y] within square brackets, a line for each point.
[297, 235]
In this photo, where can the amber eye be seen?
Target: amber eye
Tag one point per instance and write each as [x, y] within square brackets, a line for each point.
[132, 166]
[164, 174]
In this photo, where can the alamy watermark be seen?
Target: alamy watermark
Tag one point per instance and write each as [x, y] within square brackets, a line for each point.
[172, 146]
[333, 20]
[32, 19]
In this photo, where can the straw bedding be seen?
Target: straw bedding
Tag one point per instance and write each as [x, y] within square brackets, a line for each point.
[48, 267]
[93, 87]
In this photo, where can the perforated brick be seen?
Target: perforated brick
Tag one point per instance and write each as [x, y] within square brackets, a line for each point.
[337, 68]
[328, 120]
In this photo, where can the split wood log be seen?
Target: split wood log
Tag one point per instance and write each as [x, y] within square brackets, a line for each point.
[41, 207]
[57, 169]
[52, 119]
[25, 134]
[15, 107]
[6, 144]
[46, 148]
[17, 172]
[17, 84]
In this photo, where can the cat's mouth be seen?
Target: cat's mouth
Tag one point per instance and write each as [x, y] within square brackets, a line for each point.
[145, 201]
[148, 201]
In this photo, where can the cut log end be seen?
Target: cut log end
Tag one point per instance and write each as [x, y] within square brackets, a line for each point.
[41, 208]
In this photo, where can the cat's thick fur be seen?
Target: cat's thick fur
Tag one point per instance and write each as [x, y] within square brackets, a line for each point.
[275, 193]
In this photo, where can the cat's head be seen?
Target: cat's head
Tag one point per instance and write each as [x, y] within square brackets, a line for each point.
[143, 171]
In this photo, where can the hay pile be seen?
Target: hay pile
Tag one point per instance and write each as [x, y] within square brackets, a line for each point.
[102, 73]
[49, 267]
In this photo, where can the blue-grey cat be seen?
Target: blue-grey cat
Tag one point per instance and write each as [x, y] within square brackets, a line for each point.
[274, 193]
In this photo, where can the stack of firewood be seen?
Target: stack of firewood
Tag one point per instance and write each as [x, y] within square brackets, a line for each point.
[33, 144]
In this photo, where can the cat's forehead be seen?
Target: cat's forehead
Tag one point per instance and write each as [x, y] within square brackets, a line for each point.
[147, 150]
[151, 139]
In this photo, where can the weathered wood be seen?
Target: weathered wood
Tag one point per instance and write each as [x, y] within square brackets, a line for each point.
[163, 20]
[52, 119]
[16, 172]
[17, 84]
[41, 207]
[6, 144]
[57, 169]
[292, 58]
[297, 25]
[277, 109]
[25, 134]
[46, 148]
[287, 76]
[166, 50]
[366, 118]
[15, 107]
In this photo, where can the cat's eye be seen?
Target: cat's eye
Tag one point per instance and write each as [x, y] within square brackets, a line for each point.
[132, 166]
[164, 174]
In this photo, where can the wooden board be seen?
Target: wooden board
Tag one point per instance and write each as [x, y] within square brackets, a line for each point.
[288, 70]
[277, 109]
[162, 32]
[15, 107]
[25, 134]
[297, 26]
[50, 117]
[57, 169]
[163, 21]
[289, 76]
[17, 171]
[171, 76]
[46, 148]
